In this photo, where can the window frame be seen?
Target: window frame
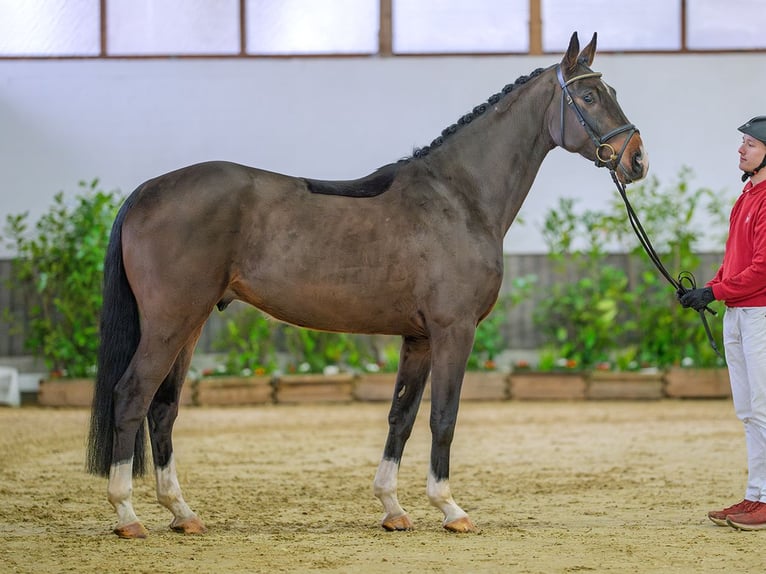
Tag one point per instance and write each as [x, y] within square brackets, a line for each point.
[385, 42]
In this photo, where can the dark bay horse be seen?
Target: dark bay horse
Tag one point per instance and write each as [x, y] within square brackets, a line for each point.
[414, 249]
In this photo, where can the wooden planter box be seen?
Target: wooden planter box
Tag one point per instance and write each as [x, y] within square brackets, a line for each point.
[314, 388]
[534, 385]
[629, 385]
[479, 386]
[375, 387]
[485, 386]
[79, 393]
[65, 393]
[233, 391]
[697, 383]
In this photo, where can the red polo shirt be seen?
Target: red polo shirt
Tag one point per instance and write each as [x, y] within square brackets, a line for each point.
[741, 280]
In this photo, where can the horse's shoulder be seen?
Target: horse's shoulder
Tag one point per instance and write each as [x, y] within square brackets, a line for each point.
[371, 185]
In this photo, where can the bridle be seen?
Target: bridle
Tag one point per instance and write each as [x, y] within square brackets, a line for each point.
[606, 156]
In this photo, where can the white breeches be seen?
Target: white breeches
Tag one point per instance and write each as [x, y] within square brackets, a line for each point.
[744, 336]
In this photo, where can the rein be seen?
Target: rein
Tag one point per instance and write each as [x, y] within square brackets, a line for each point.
[685, 280]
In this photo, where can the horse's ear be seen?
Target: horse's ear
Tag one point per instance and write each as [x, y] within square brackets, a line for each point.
[569, 62]
[589, 51]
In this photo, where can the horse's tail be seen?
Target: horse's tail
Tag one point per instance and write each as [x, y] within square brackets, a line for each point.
[120, 333]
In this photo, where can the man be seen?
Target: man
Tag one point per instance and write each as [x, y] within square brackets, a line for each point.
[741, 284]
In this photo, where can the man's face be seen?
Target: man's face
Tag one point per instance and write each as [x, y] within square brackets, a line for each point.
[751, 153]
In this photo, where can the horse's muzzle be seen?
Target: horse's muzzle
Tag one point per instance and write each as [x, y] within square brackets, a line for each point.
[634, 163]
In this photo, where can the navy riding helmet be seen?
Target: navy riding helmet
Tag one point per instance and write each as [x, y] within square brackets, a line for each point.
[755, 128]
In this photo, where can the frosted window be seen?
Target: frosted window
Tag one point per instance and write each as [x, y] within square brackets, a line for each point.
[312, 26]
[621, 26]
[145, 27]
[49, 28]
[453, 26]
[731, 25]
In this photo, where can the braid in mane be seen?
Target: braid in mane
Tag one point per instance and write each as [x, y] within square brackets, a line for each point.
[472, 115]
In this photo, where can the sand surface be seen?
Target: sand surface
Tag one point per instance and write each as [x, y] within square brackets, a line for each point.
[554, 487]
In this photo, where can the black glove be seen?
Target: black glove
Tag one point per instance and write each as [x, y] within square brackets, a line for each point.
[697, 299]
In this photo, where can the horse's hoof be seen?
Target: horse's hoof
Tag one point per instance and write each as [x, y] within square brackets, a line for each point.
[461, 525]
[401, 522]
[132, 530]
[191, 525]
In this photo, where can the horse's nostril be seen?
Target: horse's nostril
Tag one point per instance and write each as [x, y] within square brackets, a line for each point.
[636, 163]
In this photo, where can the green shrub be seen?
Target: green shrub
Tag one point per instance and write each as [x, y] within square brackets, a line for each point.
[248, 339]
[665, 334]
[489, 340]
[319, 351]
[59, 263]
[583, 319]
[618, 309]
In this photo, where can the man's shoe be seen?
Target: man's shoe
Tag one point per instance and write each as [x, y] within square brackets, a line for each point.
[719, 516]
[753, 520]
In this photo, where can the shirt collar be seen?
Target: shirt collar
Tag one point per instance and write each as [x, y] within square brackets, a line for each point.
[749, 187]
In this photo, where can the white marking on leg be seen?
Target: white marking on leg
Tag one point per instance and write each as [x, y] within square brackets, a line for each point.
[169, 492]
[119, 490]
[384, 487]
[440, 496]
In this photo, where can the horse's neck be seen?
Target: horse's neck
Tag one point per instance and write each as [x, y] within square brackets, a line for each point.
[501, 154]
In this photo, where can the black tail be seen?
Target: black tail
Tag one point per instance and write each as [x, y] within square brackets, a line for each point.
[120, 334]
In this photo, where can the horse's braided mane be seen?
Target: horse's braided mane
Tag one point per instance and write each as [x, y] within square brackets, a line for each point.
[472, 115]
[380, 180]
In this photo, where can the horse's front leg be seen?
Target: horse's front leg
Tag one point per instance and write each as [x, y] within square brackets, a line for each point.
[414, 364]
[450, 355]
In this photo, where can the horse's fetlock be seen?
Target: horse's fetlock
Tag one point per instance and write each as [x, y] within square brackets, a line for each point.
[118, 494]
[167, 499]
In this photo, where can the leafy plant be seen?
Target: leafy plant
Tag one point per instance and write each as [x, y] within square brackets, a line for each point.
[383, 353]
[256, 344]
[59, 261]
[551, 360]
[489, 340]
[248, 338]
[666, 334]
[583, 318]
[319, 351]
[390, 359]
[623, 312]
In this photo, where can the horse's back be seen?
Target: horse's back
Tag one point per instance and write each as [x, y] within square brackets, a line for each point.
[372, 185]
[211, 178]
[227, 176]
[207, 199]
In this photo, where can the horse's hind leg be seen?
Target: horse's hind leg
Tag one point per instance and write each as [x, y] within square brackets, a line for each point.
[414, 364]
[133, 395]
[162, 415]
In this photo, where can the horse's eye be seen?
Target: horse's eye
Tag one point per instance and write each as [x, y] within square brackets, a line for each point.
[588, 98]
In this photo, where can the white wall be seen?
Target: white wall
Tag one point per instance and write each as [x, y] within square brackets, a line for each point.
[125, 121]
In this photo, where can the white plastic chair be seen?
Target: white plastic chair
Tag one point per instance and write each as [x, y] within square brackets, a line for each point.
[9, 387]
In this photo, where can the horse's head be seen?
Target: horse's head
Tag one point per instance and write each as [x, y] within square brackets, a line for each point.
[587, 119]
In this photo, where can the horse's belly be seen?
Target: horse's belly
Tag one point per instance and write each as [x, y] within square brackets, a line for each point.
[347, 302]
